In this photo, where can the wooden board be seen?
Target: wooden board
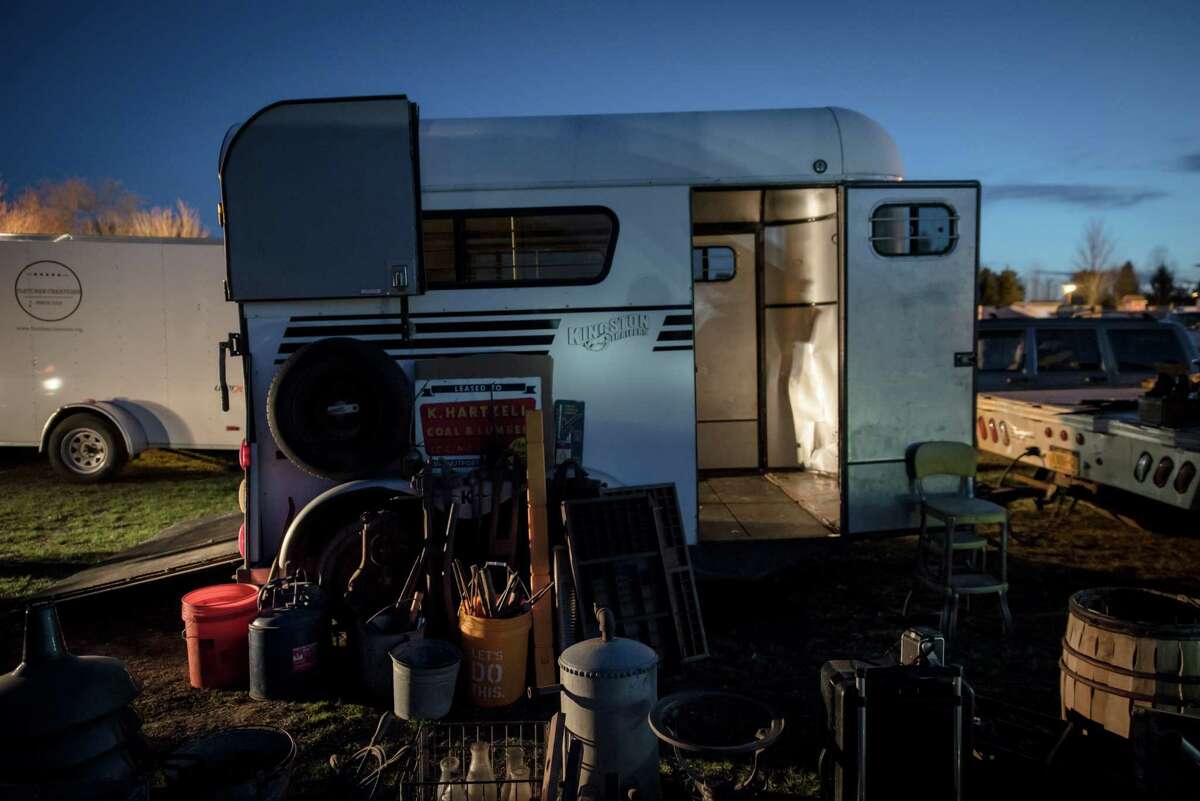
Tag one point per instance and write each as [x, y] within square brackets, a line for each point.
[539, 550]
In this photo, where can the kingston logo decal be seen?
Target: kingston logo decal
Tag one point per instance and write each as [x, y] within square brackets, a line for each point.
[599, 336]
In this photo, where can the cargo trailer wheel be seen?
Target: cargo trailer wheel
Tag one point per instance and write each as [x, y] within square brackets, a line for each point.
[341, 409]
[86, 448]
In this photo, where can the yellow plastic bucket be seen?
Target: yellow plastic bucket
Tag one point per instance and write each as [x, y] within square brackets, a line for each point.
[495, 651]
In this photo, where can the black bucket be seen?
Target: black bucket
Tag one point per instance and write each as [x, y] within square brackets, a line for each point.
[242, 763]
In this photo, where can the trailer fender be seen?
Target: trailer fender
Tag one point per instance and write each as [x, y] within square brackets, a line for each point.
[132, 433]
[310, 529]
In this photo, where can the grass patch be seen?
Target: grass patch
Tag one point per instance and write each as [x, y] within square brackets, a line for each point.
[50, 528]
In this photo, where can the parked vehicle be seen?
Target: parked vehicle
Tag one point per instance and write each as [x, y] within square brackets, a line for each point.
[709, 288]
[107, 349]
[1067, 359]
[1189, 318]
[1069, 388]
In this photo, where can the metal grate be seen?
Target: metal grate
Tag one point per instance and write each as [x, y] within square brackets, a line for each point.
[622, 557]
[677, 563]
[436, 741]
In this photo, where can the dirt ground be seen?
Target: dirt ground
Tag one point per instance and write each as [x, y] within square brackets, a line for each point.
[768, 639]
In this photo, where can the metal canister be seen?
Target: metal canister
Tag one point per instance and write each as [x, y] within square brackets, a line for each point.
[289, 641]
[609, 685]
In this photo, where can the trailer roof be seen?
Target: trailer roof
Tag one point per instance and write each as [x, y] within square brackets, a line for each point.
[773, 146]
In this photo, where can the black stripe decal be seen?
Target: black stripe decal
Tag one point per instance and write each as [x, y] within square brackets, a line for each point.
[487, 325]
[319, 318]
[674, 336]
[678, 319]
[421, 356]
[672, 347]
[560, 310]
[440, 342]
[343, 330]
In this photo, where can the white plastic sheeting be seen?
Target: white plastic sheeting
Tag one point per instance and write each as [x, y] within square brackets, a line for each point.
[813, 391]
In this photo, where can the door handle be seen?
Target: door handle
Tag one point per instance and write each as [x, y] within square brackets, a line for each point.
[230, 347]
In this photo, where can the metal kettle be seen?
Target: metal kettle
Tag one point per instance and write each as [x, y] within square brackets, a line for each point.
[609, 684]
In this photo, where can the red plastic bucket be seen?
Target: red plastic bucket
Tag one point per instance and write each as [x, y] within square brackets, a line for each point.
[215, 622]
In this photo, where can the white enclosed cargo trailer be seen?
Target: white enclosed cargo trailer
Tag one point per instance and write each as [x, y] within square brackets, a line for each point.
[107, 347]
[752, 305]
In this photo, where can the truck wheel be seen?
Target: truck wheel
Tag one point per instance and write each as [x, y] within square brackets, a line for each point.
[340, 408]
[86, 448]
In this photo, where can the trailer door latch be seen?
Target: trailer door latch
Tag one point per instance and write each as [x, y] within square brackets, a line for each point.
[964, 358]
[230, 347]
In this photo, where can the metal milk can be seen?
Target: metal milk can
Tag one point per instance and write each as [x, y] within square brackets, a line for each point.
[609, 685]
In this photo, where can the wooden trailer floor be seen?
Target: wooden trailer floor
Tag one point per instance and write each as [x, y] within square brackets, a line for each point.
[774, 506]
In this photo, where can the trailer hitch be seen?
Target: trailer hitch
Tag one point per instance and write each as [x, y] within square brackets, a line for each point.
[230, 347]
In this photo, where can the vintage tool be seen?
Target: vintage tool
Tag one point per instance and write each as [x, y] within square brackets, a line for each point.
[717, 726]
[67, 717]
[608, 685]
[539, 548]
[289, 640]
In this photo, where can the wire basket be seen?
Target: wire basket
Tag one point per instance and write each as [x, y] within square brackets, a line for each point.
[436, 741]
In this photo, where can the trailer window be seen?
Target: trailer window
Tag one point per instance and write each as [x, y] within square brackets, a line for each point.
[1060, 349]
[1001, 351]
[1140, 349]
[713, 264]
[518, 247]
[914, 229]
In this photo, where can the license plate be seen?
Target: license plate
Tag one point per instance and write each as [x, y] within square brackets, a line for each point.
[1063, 462]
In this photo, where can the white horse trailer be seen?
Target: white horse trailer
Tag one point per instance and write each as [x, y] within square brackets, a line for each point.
[752, 305]
[106, 349]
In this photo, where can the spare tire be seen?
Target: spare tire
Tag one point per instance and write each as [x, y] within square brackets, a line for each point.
[341, 409]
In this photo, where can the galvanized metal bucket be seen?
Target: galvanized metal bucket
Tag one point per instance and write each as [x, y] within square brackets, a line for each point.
[424, 673]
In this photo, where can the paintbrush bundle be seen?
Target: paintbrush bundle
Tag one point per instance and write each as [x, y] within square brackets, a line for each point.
[494, 590]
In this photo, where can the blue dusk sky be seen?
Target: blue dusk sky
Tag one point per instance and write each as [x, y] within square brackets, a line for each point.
[1066, 111]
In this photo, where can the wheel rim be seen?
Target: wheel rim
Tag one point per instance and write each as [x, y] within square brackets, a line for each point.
[84, 451]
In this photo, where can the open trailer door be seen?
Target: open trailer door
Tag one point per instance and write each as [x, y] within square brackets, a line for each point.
[321, 199]
[908, 332]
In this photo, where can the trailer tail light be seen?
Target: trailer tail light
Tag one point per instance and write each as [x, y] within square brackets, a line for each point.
[1004, 433]
[1049, 432]
[992, 430]
[1141, 468]
[244, 456]
[1163, 471]
[1183, 479]
[982, 427]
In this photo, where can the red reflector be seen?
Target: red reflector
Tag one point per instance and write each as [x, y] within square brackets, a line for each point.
[233, 428]
[1049, 431]
[244, 456]
[983, 432]
[1063, 435]
[242, 539]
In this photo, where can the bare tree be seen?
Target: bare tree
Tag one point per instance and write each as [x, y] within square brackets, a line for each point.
[1095, 250]
[106, 208]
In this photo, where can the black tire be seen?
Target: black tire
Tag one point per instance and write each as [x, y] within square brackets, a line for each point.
[86, 448]
[340, 409]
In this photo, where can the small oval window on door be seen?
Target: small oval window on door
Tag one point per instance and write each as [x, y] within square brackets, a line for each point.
[713, 264]
[914, 229]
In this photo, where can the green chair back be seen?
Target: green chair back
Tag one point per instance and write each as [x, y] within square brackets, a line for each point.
[945, 459]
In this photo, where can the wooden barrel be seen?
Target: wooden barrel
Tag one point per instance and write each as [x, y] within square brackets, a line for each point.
[1128, 648]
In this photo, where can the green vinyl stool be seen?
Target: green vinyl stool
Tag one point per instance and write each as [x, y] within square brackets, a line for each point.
[952, 560]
